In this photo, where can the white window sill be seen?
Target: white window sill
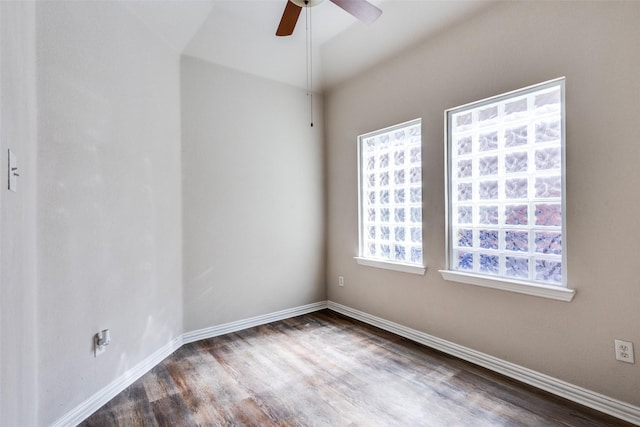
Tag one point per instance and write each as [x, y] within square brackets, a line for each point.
[388, 265]
[544, 291]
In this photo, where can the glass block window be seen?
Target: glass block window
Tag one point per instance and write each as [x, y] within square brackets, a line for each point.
[506, 186]
[390, 184]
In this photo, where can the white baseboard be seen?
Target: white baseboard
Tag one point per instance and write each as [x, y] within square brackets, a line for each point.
[239, 325]
[558, 387]
[95, 402]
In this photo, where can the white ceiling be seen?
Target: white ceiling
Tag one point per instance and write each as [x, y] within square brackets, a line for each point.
[240, 34]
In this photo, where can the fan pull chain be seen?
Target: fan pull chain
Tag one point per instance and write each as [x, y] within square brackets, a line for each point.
[309, 62]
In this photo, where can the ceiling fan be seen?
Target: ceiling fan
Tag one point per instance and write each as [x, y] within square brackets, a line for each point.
[361, 9]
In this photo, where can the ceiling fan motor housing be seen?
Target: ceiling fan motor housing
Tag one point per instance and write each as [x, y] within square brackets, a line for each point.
[361, 9]
[306, 3]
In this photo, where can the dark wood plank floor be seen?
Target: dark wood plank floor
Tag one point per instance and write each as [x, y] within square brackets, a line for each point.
[324, 369]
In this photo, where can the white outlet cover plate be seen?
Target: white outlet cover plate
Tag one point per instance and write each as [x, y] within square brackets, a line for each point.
[624, 351]
[98, 349]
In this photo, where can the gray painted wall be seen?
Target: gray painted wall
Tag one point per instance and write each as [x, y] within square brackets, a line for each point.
[18, 309]
[109, 197]
[253, 196]
[94, 239]
[511, 45]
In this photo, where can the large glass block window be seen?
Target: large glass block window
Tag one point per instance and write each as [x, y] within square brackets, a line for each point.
[390, 181]
[506, 186]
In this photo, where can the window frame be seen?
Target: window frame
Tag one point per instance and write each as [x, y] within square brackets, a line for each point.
[559, 292]
[387, 264]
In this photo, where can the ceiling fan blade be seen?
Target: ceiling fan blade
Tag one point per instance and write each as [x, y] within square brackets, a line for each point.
[361, 9]
[289, 19]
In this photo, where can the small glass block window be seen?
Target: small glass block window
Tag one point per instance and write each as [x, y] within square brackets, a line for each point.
[390, 185]
[505, 168]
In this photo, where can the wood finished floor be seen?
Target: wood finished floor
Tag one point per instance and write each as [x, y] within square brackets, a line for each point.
[324, 369]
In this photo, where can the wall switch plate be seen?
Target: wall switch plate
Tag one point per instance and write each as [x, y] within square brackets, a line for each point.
[624, 351]
[340, 280]
[13, 172]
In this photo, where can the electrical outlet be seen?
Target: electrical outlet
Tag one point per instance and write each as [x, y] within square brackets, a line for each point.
[100, 342]
[97, 348]
[624, 351]
[340, 280]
